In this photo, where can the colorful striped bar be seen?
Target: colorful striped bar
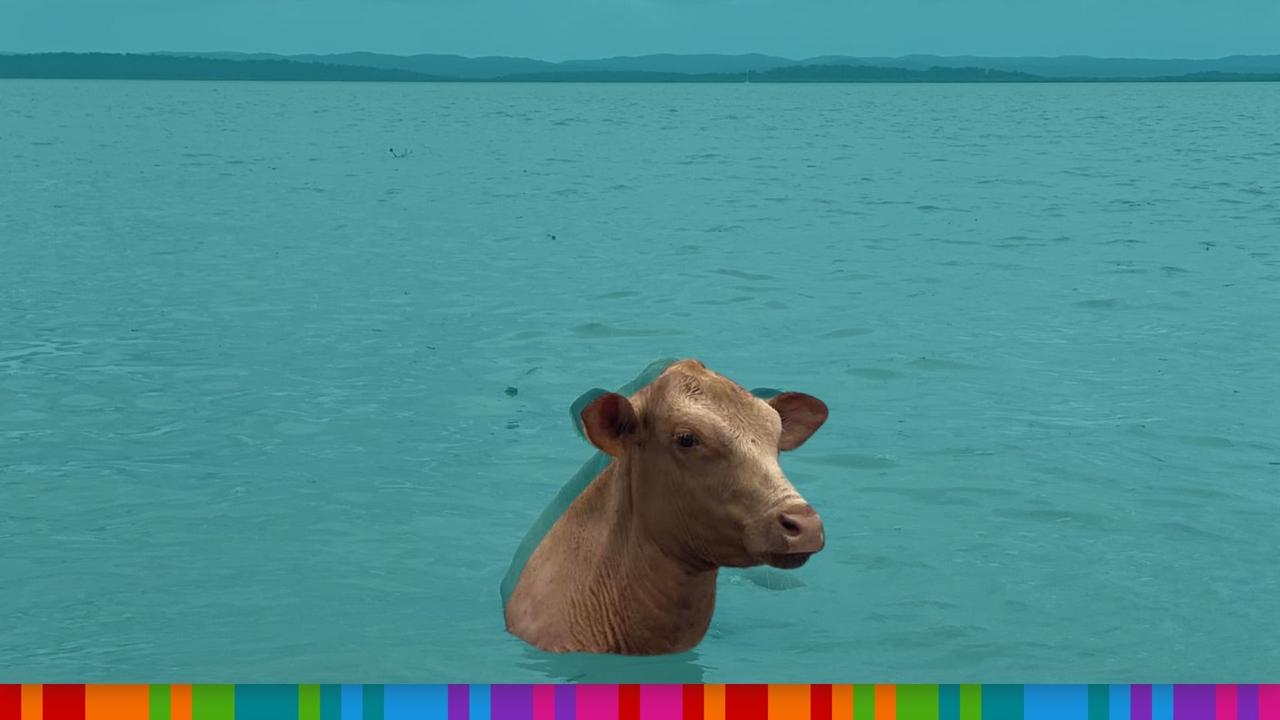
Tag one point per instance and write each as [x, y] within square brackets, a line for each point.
[640, 702]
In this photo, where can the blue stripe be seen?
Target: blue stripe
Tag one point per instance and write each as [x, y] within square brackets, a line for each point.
[1056, 702]
[1161, 702]
[1003, 702]
[330, 702]
[416, 702]
[1119, 696]
[948, 699]
[479, 702]
[352, 702]
[266, 702]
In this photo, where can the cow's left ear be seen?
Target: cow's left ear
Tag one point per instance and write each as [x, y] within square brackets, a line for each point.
[801, 414]
[610, 423]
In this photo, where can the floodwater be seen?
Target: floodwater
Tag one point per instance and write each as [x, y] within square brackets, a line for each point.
[256, 342]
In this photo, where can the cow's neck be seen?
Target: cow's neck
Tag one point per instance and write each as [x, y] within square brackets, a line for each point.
[660, 603]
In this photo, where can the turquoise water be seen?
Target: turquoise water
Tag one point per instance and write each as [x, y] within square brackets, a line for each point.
[254, 419]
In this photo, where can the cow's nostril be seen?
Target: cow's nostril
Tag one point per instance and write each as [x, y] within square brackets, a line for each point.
[789, 524]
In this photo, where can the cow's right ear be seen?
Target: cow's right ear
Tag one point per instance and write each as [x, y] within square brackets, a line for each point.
[801, 414]
[610, 423]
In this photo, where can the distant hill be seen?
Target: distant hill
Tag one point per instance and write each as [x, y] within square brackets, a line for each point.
[685, 64]
[455, 66]
[1221, 77]
[105, 66]
[482, 68]
[269, 67]
[868, 73]
[1048, 67]
[1070, 66]
[789, 74]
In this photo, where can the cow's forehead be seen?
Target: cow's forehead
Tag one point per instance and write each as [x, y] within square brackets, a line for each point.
[689, 385]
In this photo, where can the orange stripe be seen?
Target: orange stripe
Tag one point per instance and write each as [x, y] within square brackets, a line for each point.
[788, 702]
[841, 702]
[117, 702]
[712, 703]
[886, 702]
[180, 702]
[32, 702]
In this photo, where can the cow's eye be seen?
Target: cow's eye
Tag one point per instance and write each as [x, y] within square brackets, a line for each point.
[686, 439]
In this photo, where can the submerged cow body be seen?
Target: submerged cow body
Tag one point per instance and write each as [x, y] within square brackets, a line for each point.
[694, 485]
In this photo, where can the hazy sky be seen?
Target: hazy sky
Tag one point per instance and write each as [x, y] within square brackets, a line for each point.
[563, 29]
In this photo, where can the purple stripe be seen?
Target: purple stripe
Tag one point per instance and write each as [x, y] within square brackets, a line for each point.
[1194, 702]
[512, 702]
[1247, 702]
[1140, 702]
[459, 702]
[565, 697]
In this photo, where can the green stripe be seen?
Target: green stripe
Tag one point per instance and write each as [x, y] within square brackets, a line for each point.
[970, 702]
[159, 698]
[308, 702]
[917, 702]
[864, 702]
[373, 699]
[1099, 702]
[1002, 702]
[213, 702]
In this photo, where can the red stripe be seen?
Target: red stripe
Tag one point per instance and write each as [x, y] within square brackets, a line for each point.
[10, 702]
[63, 702]
[628, 702]
[692, 705]
[820, 702]
[746, 702]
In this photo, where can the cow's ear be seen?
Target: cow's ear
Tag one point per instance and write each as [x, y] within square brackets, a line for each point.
[801, 414]
[610, 423]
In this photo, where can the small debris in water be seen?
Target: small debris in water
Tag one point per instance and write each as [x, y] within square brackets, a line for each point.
[513, 425]
[512, 391]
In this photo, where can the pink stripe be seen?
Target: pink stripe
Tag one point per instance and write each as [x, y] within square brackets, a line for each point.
[1269, 701]
[544, 702]
[597, 701]
[1225, 703]
[661, 702]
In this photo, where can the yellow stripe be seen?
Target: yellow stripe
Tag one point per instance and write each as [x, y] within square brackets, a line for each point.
[841, 702]
[32, 702]
[788, 702]
[712, 703]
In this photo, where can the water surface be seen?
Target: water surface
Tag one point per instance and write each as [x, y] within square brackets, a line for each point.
[254, 418]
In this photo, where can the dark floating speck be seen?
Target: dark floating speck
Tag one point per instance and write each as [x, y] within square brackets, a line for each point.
[512, 391]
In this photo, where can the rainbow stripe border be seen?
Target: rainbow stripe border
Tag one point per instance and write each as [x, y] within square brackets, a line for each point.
[640, 702]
